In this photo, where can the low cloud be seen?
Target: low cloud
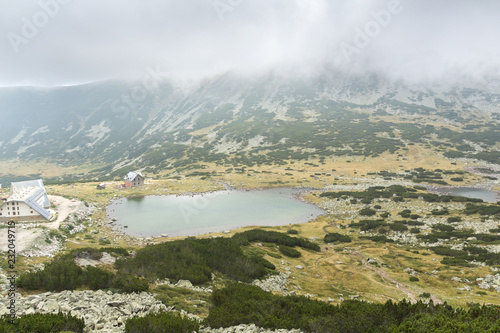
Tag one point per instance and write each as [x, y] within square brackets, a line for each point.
[56, 42]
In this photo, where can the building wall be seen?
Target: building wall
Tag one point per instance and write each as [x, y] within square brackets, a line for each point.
[19, 211]
[37, 218]
[138, 181]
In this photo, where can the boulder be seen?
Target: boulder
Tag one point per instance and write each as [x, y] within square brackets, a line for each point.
[184, 284]
[116, 303]
[136, 307]
[51, 306]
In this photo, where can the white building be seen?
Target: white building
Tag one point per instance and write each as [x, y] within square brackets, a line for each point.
[134, 179]
[27, 202]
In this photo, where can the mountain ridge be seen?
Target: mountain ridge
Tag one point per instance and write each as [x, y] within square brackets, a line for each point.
[138, 125]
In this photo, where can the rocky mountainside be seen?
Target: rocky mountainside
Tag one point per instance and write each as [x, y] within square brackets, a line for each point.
[156, 123]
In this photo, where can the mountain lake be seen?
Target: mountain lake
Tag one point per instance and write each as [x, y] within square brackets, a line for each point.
[469, 192]
[189, 215]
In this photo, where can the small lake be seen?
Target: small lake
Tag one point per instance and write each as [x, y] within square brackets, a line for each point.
[469, 192]
[189, 215]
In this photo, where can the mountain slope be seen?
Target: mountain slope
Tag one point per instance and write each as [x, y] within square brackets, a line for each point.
[235, 120]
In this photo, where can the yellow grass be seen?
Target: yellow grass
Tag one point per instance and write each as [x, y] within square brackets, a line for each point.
[44, 168]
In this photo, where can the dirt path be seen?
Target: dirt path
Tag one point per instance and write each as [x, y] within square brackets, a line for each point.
[65, 207]
[26, 237]
[399, 285]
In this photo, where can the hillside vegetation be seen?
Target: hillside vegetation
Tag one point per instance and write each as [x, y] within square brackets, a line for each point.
[189, 259]
[240, 303]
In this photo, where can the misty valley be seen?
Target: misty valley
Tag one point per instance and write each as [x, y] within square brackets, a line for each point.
[346, 200]
[224, 166]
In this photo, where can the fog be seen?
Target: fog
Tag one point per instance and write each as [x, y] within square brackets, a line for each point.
[63, 42]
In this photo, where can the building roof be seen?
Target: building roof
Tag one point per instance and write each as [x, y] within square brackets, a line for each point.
[32, 193]
[132, 175]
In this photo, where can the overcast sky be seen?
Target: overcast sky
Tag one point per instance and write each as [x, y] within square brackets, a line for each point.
[60, 42]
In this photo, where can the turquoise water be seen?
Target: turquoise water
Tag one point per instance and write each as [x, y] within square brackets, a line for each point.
[187, 215]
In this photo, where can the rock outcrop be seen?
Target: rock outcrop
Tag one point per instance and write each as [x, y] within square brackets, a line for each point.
[101, 311]
[274, 283]
[490, 281]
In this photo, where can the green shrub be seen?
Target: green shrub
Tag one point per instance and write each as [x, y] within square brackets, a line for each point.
[475, 250]
[160, 323]
[482, 210]
[439, 212]
[397, 227]
[104, 241]
[115, 250]
[446, 251]
[365, 225]
[195, 260]
[336, 238]
[58, 275]
[42, 323]
[487, 238]
[292, 231]
[244, 304]
[289, 251]
[383, 231]
[443, 227]
[405, 213]
[274, 255]
[366, 201]
[412, 222]
[415, 230]
[129, 283]
[456, 262]
[56, 234]
[263, 262]
[63, 274]
[96, 278]
[86, 253]
[367, 212]
[414, 279]
[278, 238]
[378, 239]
